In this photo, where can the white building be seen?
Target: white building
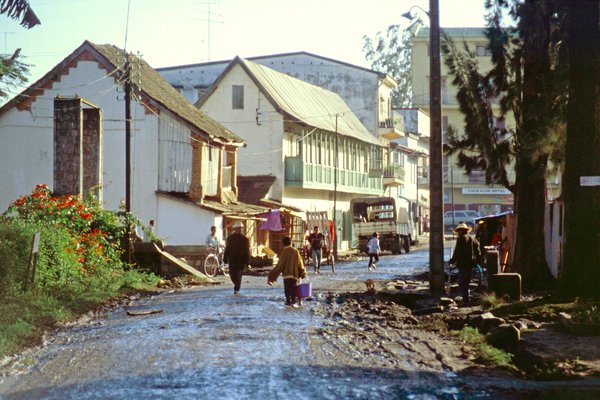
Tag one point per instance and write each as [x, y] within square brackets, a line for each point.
[301, 135]
[366, 92]
[68, 130]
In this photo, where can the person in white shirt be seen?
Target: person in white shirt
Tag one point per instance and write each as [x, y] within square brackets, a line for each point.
[212, 242]
[374, 250]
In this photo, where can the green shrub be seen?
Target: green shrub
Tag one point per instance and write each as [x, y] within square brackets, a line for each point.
[79, 263]
[15, 249]
[487, 353]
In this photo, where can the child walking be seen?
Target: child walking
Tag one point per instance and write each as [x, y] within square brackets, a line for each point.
[374, 250]
[291, 266]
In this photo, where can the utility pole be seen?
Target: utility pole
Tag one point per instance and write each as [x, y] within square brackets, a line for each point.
[127, 87]
[335, 173]
[436, 241]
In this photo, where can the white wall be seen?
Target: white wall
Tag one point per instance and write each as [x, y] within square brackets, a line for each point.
[182, 223]
[26, 154]
[263, 154]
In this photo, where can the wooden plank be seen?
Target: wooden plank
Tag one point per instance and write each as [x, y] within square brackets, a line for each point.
[182, 264]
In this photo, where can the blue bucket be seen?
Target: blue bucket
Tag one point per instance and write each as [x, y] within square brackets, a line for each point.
[304, 290]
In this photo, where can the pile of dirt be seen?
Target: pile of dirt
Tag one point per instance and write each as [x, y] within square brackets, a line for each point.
[384, 324]
[365, 329]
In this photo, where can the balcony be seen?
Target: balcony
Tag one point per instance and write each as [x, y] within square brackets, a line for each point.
[393, 175]
[390, 129]
[312, 176]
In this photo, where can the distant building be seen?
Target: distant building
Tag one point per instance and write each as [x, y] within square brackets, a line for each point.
[366, 92]
[461, 191]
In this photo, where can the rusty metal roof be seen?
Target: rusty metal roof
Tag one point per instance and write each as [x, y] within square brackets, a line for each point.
[151, 83]
[308, 103]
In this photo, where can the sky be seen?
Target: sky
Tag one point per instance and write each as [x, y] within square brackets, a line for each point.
[178, 32]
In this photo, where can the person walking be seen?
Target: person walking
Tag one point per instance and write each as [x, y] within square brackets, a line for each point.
[237, 255]
[373, 250]
[466, 254]
[291, 266]
[316, 248]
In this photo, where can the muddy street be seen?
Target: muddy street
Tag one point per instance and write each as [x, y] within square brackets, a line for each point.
[203, 342]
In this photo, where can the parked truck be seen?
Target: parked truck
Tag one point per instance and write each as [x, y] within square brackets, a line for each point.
[389, 216]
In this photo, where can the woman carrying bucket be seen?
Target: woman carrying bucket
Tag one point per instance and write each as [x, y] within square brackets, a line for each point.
[291, 266]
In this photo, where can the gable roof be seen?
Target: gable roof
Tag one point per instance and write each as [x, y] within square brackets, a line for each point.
[302, 101]
[151, 83]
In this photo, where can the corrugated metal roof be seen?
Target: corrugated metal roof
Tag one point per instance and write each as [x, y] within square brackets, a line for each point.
[455, 32]
[153, 84]
[308, 103]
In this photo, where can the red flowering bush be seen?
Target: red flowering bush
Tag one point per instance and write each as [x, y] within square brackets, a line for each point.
[80, 240]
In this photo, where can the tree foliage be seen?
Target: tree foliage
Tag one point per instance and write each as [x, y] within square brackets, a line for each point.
[391, 53]
[13, 73]
[528, 78]
[16, 9]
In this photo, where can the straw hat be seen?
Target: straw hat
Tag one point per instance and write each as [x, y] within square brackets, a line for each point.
[462, 226]
[237, 224]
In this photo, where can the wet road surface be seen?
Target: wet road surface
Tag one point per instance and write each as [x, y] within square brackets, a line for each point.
[208, 344]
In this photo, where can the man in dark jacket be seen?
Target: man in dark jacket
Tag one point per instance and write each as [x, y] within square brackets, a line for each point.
[316, 248]
[237, 255]
[466, 254]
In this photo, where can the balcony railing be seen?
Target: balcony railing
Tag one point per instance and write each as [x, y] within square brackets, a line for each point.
[312, 176]
[393, 175]
[386, 123]
[394, 171]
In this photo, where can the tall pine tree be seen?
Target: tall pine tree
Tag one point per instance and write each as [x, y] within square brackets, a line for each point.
[528, 76]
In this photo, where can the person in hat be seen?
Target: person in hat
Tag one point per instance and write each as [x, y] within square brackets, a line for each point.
[237, 255]
[466, 254]
[291, 266]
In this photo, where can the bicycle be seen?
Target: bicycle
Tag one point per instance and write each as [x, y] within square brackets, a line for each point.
[478, 275]
[213, 263]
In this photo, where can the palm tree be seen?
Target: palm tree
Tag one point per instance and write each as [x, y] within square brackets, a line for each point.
[16, 9]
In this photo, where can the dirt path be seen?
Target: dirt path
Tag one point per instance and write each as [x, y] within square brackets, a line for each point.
[206, 343]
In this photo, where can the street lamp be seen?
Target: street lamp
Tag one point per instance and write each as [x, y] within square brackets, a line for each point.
[436, 240]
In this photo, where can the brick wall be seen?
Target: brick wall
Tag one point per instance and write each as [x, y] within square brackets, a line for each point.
[67, 147]
[77, 147]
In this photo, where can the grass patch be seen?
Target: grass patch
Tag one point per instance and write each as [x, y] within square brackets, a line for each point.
[486, 353]
[489, 301]
[24, 317]
[545, 308]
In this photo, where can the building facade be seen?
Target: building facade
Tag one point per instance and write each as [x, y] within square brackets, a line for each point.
[304, 136]
[366, 92]
[68, 130]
